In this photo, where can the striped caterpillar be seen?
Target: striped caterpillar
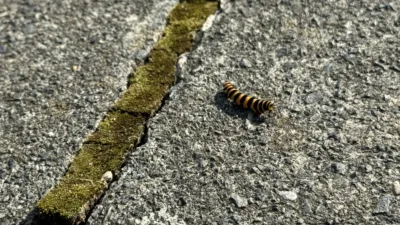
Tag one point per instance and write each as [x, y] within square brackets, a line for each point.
[259, 106]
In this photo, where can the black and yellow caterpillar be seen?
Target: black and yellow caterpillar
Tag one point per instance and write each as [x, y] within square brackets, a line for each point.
[259, 106]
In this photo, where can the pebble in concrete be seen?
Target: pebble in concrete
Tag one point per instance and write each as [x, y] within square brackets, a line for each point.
[288, 195]
[239, 201]
[396, 187]
[383, 205]
[339, 168]
[245, 63]
[107, 176]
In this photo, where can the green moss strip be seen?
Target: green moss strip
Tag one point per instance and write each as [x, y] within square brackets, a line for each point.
[185, 19]
[80, 188]
[149, 84]
[118, 128]
[71, 200]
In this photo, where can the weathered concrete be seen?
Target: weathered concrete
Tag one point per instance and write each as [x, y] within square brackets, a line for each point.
[63, 64]
[328, 155]
[104, 151]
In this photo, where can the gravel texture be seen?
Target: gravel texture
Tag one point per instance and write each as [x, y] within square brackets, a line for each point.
[328, 155]
[62, 66]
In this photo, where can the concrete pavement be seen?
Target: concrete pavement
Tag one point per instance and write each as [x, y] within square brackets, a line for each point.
[63, 64]
[328, 155]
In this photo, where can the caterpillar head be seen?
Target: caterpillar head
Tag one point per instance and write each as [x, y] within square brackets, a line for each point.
[270, 106]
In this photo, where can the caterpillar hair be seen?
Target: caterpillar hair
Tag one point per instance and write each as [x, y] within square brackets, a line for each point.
[259, 106]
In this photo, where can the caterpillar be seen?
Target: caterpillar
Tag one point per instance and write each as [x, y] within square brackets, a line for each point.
[259, 106]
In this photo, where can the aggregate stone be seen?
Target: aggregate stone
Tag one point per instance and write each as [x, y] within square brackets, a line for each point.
[339, 168]
[245, 63]
[289, 195]
[368, 168]
[107, 176]
[239, 201]
[313, 98]
[383, 205]
[396, 187]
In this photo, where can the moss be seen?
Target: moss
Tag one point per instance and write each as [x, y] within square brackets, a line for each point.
[178, 38]
[118, 128]
[105, 149]
[159, 70]
[193, 10]
[149, 84]
[95, 159]
[152, 81]
[185, 18]
[82, 183]
[64, 204]
[145, 98]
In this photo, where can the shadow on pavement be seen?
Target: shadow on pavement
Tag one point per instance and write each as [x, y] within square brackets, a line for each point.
[233, 110]
[30, 219]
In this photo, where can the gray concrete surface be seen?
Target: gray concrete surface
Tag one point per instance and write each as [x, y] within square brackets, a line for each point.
[328, 155]
[62, 65]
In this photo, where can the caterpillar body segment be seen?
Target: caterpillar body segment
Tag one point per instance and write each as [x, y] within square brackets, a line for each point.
[259, 106]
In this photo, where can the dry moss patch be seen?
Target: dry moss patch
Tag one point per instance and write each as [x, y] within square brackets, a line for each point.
[105, 150]
[119, 128]
[69, 202]
[185, 19]
[149, 84]
[72, 198]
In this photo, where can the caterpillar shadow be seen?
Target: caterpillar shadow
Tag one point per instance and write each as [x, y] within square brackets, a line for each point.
[232, 110]
[31, 218]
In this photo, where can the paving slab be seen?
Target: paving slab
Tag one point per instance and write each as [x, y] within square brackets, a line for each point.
[63, 64]
[103, 153]
[328, 154]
